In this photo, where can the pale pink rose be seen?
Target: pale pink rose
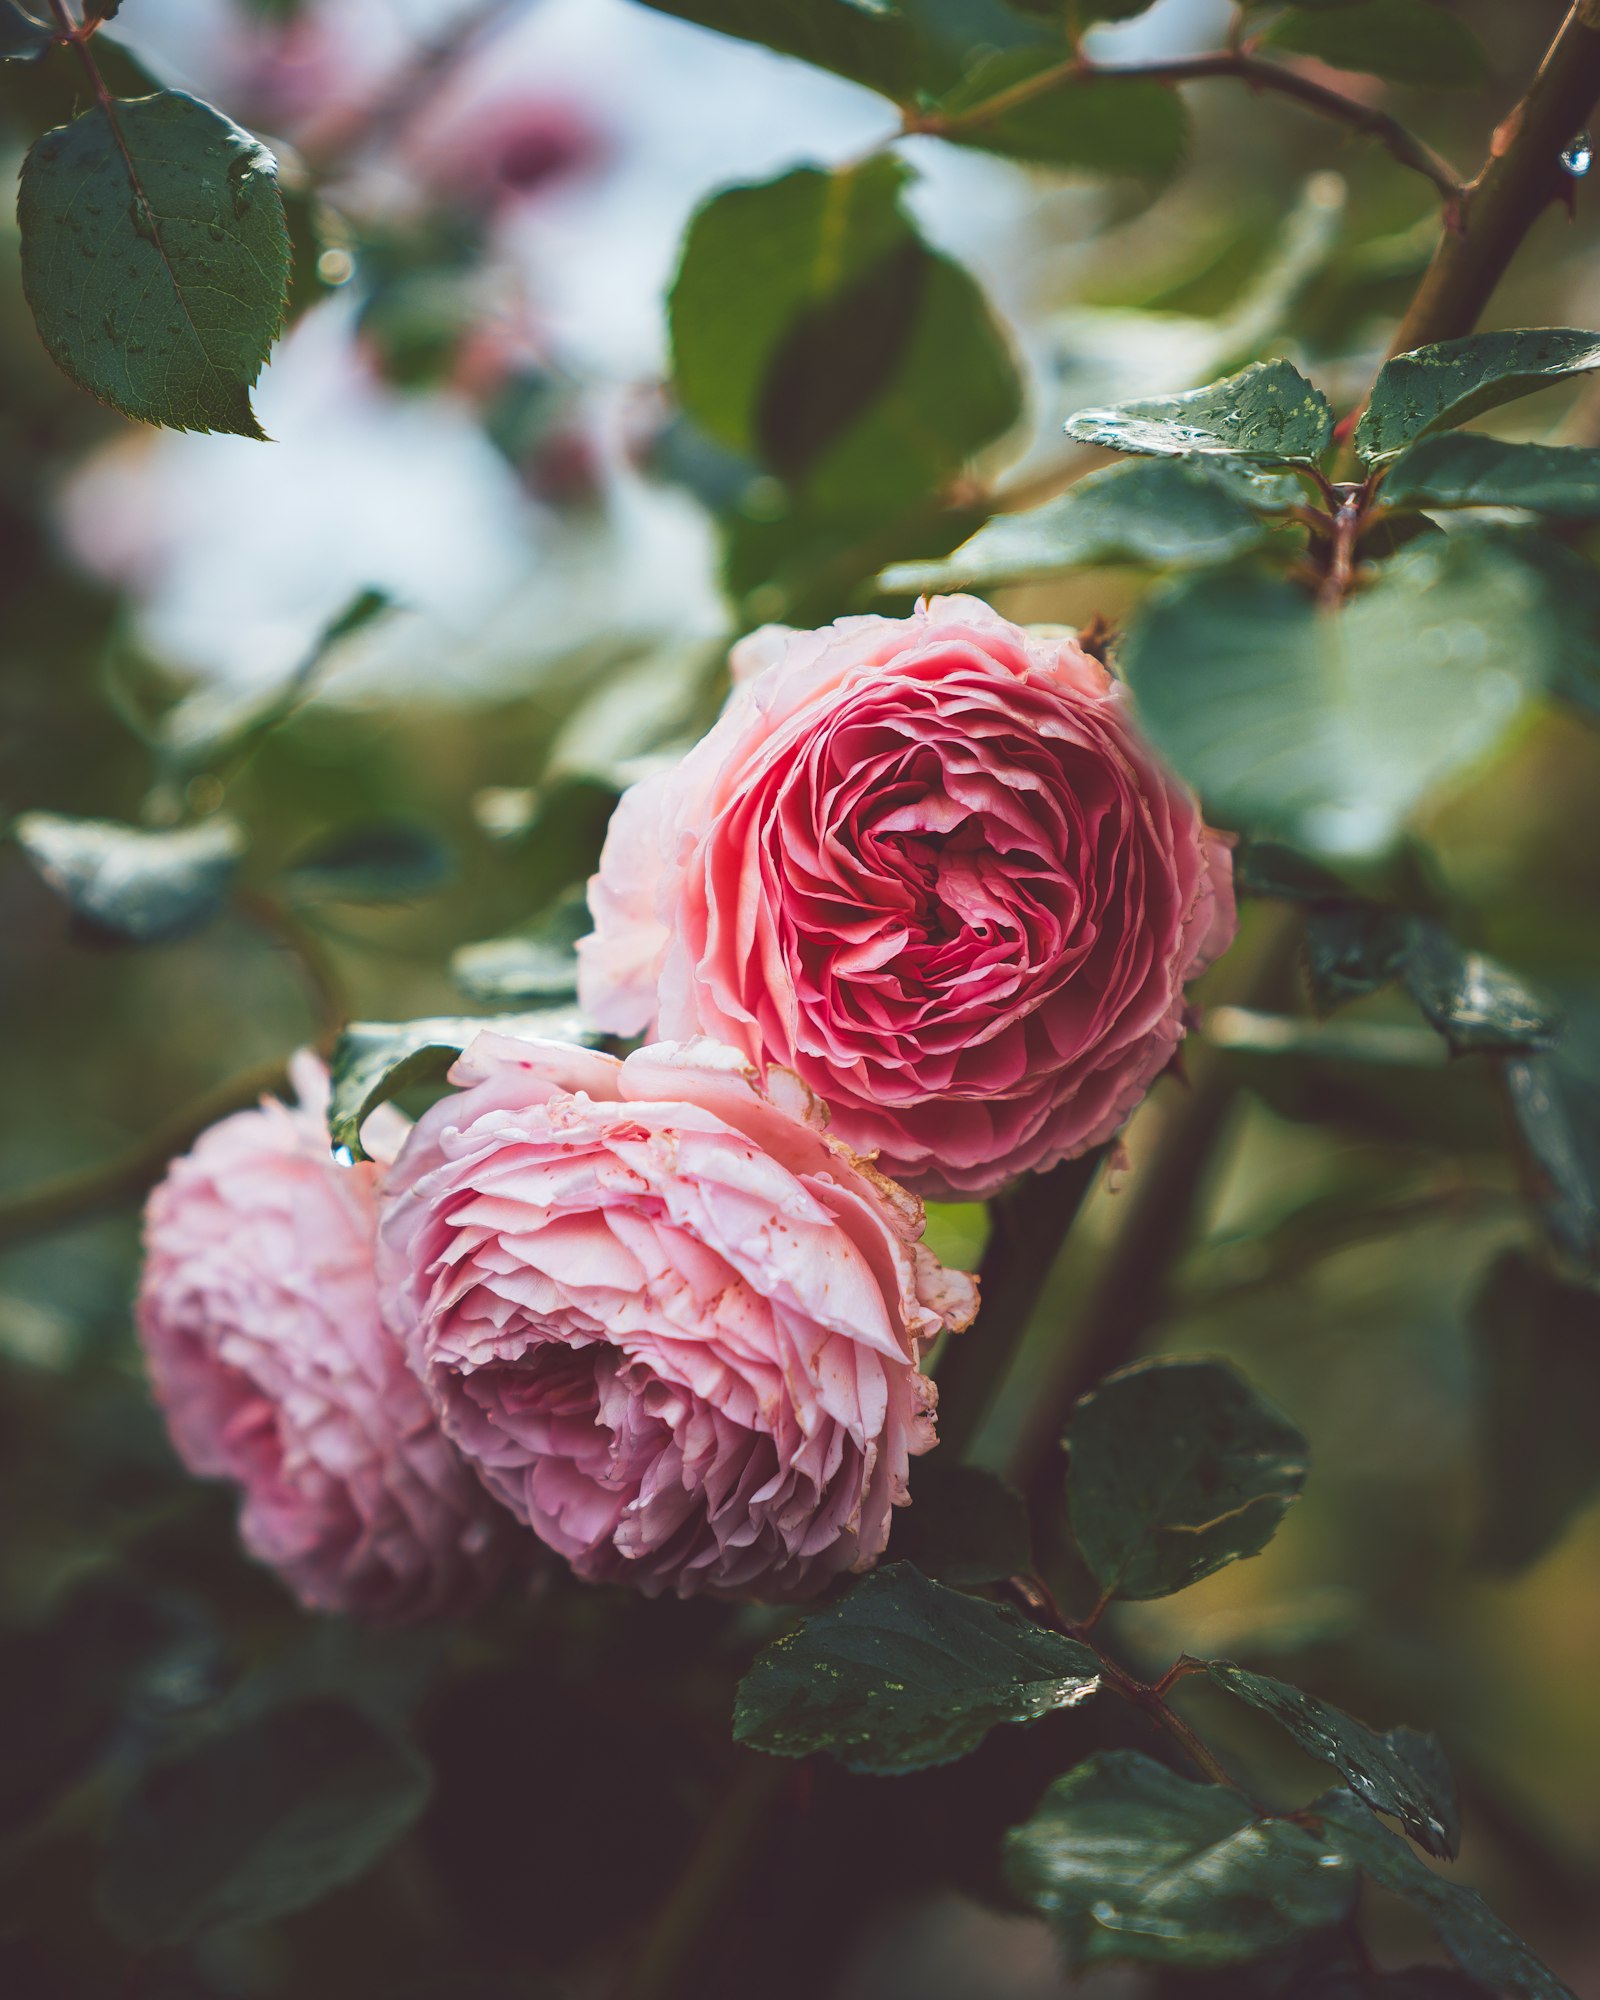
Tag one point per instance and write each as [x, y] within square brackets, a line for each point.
[258, 1310]
[930, 865]
[673, 1324]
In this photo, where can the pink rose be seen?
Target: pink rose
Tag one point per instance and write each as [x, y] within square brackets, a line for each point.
[929, 865]
[258, 1310]
[673, 1324]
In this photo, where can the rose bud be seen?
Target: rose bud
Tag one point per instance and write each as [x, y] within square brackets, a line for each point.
[929, 865]
[258, 1311]
[673, 1324]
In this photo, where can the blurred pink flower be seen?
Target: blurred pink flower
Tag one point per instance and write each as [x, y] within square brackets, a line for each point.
[676, 1327]
[258, 1310]
[930, 865]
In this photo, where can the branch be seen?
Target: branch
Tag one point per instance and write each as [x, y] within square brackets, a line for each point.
[1520, 179]
[1401, 142]
[90, 1191]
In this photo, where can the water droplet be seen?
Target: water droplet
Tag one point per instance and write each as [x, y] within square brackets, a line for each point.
[1578, 156]
[343, 1157]
[1330, 1861]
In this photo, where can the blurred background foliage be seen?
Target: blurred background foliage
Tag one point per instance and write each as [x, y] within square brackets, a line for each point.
[471, 417]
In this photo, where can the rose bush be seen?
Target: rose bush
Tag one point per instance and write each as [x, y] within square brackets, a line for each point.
[675, 1326]
[930, 865]
[258, 1312]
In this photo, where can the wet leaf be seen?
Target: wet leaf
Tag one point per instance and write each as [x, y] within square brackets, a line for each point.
[1176, 1469]
[1129, 1860]
[1467, 1928]
[131, 883]
[902, 1674]
[155, 257]
[536, 964]
[1434, 388]
[1268, 412]
[1474, 1002]
[1402, 1772]
[1556, 1108]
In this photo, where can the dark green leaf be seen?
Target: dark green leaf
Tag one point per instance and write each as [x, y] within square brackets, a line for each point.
[156, 259]
[373, 1061]
[1467, 1928]
[1128, 1860]
[1402, 1772]
[21, 37]
[1406, 41]
[536, 964]
[1351, 950]
[1177, 1468]
[1325, 730]
[1104, 126]
[963, 1526]
[1164, 512]
[1466, 469]
[257, 1820]
[1435, 388]
[1557, 1112]
[1537, 1341]
[145, 887]
[387, 863]
[903, 1674]
[1268, 412]
[1473, 1002]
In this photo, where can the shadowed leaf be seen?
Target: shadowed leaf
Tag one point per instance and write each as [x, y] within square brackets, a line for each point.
[1177, 1468]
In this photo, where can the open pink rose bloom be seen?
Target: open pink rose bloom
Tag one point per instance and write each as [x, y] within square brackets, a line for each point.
[258, 1311]
[675, 1326]
[929, 865]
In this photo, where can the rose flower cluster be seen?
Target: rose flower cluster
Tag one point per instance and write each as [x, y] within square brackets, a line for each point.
[922, 904]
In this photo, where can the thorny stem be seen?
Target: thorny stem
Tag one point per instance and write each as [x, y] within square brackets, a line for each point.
[1401, 142]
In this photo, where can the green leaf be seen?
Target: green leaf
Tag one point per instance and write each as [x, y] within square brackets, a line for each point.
[963, 1526]
[1268, 412]
[535, 964]
[1176, 1469]
[814, 332]
[1405, 41]
[1128, 1860]
[1168, 513]
[1325, 730]
[144, 887]
[903, 1674]
[1472, 1001]
[391, 862]
[21, 37]
[373, 1061]
[155, 257]
[1435, 388]
[255, 1821]
[1467, 1928]
[1105, 126]
[1556, 1109]
[1536, 1341]
[907, 49]
[1466, 469]
[1402, 1772]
